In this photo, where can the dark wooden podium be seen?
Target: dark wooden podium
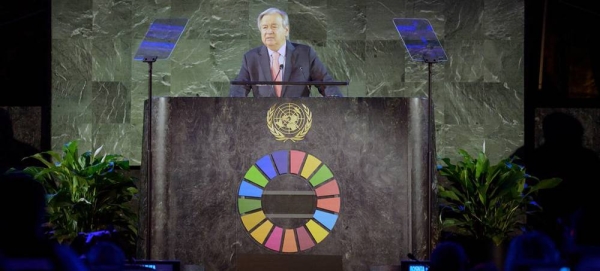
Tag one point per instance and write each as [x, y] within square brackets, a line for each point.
[344, 178]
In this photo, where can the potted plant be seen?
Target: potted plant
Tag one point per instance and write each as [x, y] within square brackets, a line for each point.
[88, 193]
[487, 202]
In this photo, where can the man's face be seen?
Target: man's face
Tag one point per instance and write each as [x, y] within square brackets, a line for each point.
[272, 32]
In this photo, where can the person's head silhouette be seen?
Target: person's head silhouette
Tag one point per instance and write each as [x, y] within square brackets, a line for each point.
[562, 129]
[105, 256]
[22, 240]
[531, 249]
[448, 256]
[584, 233]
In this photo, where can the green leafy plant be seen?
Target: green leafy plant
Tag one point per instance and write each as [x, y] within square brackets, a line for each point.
[484, 201]
[87, 193]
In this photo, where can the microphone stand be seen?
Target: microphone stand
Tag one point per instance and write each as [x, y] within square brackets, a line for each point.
[277, 76]
[304, 75]
[149, 60]
[429, 59]
[422, 44]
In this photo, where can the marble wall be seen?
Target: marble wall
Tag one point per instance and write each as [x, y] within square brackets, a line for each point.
[99, 90]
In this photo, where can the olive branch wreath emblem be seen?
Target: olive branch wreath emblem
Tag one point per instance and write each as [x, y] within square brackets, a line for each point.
[293, 136]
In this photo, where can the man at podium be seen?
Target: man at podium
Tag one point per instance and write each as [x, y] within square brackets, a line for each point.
[280, 60]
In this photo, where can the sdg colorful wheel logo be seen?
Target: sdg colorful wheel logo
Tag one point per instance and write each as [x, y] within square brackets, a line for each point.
[262, 228]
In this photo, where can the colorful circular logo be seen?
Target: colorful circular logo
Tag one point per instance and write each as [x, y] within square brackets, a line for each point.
[321, 180]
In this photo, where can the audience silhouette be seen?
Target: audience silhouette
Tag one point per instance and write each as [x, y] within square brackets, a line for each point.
[448, 256]
[22, 241]
[561, 155]
[531, 249]
[106, 256]
[584, 239]
[587, 264]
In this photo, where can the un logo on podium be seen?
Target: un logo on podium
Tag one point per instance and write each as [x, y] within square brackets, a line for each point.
[289, 121]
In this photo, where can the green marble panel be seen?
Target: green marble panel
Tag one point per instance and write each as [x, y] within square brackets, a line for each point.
[503, 61]
[228, 19]
[309, 26]
[452, 137]
[161, 75]
[481, 104]
[465, 60]
[500, 142]
[192, 67]
[346, 20]
[71, 118]
[124, 139]
[417, 71]
[111, 59]
[139, 93]
[463, 20]
[345, 59]
[227, 56]
[435, 12]
[112, 19]
[504, 20]
[110, 102]
[356, 88]
[503, 140]
[384, 61]
[396, 89]
[72, 19]
[145, 12]
[379, 18]
[198, 14]
[71, 59]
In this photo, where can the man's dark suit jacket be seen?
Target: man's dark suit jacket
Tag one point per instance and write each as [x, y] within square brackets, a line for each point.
[301, 64]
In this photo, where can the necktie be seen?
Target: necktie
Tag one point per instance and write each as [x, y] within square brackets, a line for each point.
[276, 73]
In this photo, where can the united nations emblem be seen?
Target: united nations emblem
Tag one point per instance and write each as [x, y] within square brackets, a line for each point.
[289, 121]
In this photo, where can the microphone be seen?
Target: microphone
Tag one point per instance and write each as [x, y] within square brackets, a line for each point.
[304, 75]
[279, 71]
[275, 79]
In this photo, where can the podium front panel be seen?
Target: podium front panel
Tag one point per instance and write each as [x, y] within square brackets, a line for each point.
[306, 176]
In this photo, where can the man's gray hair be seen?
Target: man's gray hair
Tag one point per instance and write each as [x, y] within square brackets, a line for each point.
[286, 19]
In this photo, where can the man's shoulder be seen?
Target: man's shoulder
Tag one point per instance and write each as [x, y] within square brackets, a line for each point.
[255, 50]
[300, 46]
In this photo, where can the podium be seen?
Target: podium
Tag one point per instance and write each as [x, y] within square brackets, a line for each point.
[235, 177]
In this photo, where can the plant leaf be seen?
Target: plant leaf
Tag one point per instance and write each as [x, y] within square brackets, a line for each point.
[87, 193]
[546, 184]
